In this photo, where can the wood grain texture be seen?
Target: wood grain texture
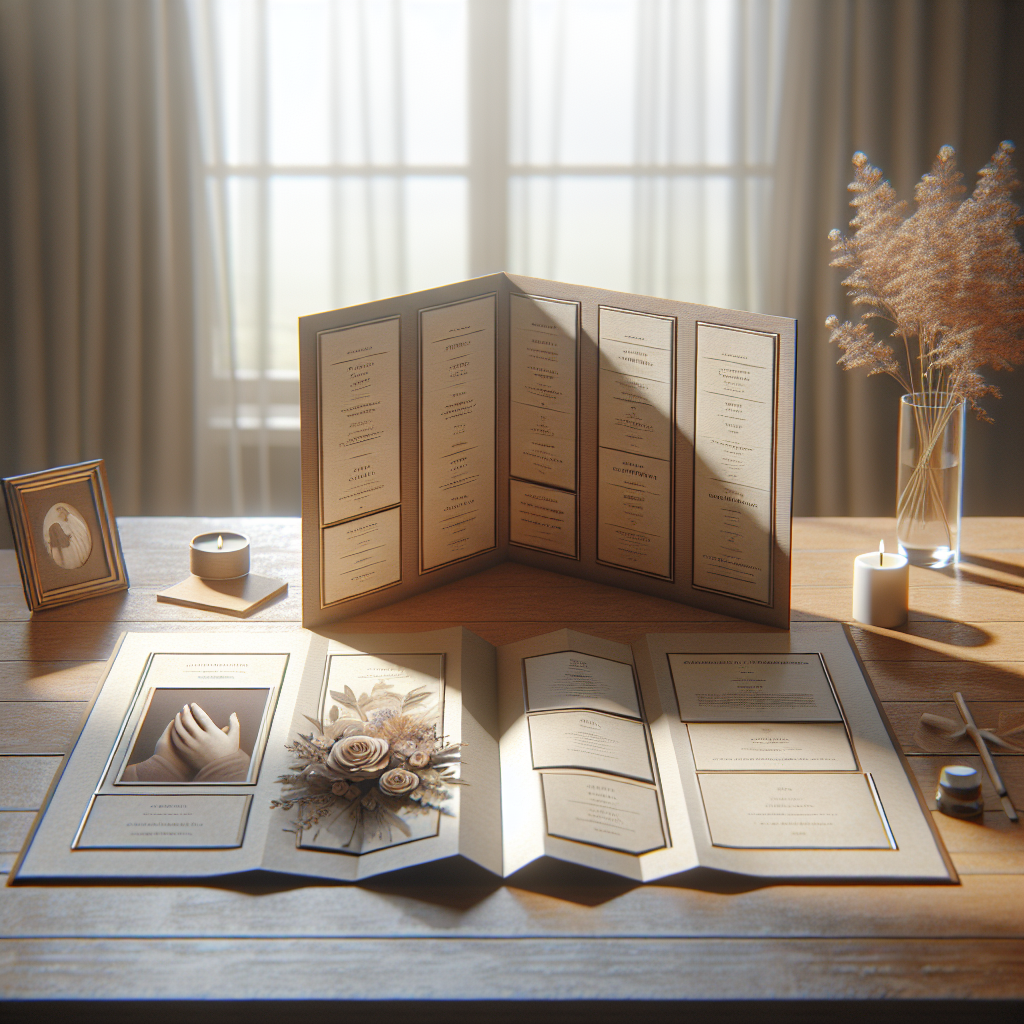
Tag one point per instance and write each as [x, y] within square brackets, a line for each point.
[39, 727]
[24, 781]
[905, 718]
[511, 969]
[908, 680]
[562, 934]
[40, 640]
[971, 602]
[562, 903]
[992, 833]
[838, 533]
[49, 680]
[139, 605]
[942, 642]
[14, 826]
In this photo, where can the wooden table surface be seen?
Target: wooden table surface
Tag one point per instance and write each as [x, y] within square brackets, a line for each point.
[431, 937]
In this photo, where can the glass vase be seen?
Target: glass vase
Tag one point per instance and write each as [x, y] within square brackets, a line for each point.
[930, 478]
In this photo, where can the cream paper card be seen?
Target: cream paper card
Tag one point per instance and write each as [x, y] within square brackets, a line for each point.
[457, 430]
[543, 446]
[603, 812]
[815, 812]
[635, 430]
[571, 679]
[362, 555]
[753, 688]
[542, 518]
[734, 459]
[588, 739]
[771, 747]
[205, 822]
[359, 424]
[543, 355]
[636, 414]
[635, 512]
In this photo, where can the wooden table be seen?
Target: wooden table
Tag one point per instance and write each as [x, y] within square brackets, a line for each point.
[474, 939]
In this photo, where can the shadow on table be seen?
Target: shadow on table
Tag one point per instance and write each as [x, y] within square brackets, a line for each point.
[457, 884]
[963, 634]
[995, 564]
[877, 640]
[961, 571]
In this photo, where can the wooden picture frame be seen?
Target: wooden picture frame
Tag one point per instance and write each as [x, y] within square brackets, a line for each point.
[65, 534]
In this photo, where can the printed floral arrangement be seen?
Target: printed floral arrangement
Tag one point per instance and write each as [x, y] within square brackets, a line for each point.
[363, 767]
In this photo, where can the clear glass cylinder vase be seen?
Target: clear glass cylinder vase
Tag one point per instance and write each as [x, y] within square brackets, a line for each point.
[929, 483]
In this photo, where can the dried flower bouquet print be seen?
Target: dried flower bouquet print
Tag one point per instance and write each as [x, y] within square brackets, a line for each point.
[369, 767]
[948, 281]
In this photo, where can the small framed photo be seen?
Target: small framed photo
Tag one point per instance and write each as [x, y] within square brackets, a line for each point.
[65, 534]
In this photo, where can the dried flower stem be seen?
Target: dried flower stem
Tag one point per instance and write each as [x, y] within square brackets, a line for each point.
[950, 281]
[921, 500]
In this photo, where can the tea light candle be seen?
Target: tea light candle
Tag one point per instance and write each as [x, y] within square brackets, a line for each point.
[219, 556]
[880, 588]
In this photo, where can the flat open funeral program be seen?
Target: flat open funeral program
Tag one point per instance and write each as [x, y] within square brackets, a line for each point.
[762, 755]
[634, 441]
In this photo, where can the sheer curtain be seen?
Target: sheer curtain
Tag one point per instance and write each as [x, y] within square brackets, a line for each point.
[356, 148]
[359, 148]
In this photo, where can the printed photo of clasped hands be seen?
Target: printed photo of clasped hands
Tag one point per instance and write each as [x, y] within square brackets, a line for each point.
[193, 748]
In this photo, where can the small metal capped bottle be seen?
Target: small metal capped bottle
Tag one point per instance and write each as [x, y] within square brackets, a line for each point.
[959, 793]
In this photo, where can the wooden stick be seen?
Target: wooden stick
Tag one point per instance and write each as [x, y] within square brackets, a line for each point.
[986, 757]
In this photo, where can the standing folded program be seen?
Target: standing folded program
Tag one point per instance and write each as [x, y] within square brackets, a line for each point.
[635, 441]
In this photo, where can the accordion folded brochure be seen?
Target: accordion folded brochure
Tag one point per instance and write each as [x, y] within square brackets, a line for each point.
[763, 755]
[639, 442]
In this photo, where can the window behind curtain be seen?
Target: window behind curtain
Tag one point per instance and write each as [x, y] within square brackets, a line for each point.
[361, 148]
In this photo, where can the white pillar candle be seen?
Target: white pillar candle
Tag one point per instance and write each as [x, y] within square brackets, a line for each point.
[880, 588]
[219, 556]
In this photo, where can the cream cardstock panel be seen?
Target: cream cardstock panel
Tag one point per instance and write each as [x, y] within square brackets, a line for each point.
[603, 812]
[571, 679]
[359, 419]
[734, 461]
[772, 747]
[584, 739]
[635, 512]
[813, 812]
[752, 688]
[542, 517]
[362, 555]
[457, 429]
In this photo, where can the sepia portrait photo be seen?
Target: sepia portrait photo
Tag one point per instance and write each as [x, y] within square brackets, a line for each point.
[65, 535]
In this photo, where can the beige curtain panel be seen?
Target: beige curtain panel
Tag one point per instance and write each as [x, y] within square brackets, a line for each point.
[896, 79]
[96, 285]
